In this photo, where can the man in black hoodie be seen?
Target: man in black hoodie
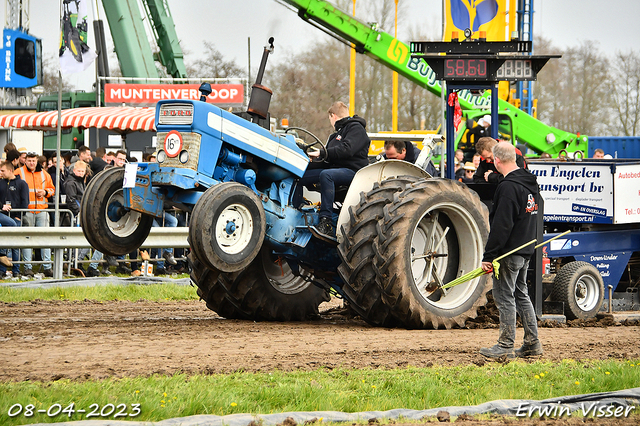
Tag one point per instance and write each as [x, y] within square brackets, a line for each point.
[513, 221]
[406, 151]
[486, 171]
[347, 152]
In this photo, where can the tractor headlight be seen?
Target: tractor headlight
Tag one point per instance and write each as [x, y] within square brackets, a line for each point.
[162, 156]
[184, 157]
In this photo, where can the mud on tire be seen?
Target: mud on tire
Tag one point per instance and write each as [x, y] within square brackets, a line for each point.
[265, 291]
[356, 250]
[414, 223]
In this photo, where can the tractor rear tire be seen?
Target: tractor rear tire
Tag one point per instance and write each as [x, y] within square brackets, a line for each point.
[414, 224]
[103, 195]
[580, 287]
[266, 290]
[227, 227]
[356, 251]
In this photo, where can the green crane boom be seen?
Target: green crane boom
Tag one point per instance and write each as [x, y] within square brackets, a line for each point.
[132, 43]
[130, 38]
[170, 54]
[394, 54]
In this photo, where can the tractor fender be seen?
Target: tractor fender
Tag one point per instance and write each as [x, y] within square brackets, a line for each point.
[365, 178]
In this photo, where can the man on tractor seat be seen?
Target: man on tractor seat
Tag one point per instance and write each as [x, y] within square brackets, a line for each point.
[346, 153]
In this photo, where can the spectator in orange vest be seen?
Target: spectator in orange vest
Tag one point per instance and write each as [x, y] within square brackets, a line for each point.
[40, 188]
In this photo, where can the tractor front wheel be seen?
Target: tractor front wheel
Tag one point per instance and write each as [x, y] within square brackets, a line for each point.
[106, 224]
[227, 227]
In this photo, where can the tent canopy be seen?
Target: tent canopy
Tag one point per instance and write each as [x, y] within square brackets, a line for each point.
[121, 119]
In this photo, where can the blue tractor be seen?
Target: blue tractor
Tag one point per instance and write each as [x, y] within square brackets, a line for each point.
[401, 233]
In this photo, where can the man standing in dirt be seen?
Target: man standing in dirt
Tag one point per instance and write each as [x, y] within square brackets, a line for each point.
[513, 221]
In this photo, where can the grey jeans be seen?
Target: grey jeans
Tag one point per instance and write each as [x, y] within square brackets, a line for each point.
[511, 295]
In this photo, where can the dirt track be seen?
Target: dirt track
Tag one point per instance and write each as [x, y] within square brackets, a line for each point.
[49, 340]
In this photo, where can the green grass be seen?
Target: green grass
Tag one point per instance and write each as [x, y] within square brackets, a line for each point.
[153, 292]
[162, 397]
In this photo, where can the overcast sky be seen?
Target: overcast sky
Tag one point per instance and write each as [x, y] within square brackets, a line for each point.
[229, 23]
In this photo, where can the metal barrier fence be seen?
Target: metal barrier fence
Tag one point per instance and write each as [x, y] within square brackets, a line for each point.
[61, 238]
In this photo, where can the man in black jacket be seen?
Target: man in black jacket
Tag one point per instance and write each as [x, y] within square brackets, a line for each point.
[98, 163]
[487, 171]
[347, 152]
[14, 194]
[406, 151]
[513, 221]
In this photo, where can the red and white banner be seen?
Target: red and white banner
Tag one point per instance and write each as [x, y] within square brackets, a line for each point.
[150, 94]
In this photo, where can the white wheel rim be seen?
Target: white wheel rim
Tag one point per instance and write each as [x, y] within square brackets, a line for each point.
[586, 292]
[128, 223]
[280, 277]
[234, 228]
[426, 236]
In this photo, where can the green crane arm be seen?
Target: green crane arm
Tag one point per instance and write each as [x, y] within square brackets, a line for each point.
[170, 54]
[394, 54]
[130, 39]
[131, 42]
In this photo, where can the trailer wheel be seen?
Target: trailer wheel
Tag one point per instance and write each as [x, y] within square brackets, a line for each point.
[432, 232]
[227, 227]
[356, 251]
[267, 290]
[105, 223]
[580, 287]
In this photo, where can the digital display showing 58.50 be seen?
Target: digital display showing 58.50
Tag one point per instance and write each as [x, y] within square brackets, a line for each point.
[466, 68]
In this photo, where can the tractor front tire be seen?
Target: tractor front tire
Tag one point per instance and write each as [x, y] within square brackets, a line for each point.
[106, 225]
[266, 290]
[434, 216]
[227, 227]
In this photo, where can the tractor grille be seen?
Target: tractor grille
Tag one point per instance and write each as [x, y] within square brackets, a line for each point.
[175, 114]
[190, 143]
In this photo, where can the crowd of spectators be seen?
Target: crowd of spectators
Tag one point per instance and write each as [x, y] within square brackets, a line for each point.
[28, 182]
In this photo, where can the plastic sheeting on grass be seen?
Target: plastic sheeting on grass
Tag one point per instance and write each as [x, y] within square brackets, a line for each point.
[577, 405]
[92, 282]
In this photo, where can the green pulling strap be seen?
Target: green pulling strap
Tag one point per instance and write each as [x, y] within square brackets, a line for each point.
[496, 266]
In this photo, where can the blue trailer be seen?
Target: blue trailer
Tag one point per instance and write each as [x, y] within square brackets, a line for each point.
[599, 201]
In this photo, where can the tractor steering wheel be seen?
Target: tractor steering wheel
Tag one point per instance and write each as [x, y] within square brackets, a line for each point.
[307, 146]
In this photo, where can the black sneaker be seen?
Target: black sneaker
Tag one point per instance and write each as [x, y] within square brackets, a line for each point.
[92, 272]
[28, 273]
[111, 261]
[325, 226]
[169, 258]
[161, 271]
[122, 269]
[48, 273]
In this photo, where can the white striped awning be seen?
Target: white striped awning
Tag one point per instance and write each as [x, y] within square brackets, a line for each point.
[123, 119]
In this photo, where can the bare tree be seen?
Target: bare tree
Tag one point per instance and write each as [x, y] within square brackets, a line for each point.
[626, 94]
[214, 65]
[571, 93]
[305, 85]
[50, 67]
